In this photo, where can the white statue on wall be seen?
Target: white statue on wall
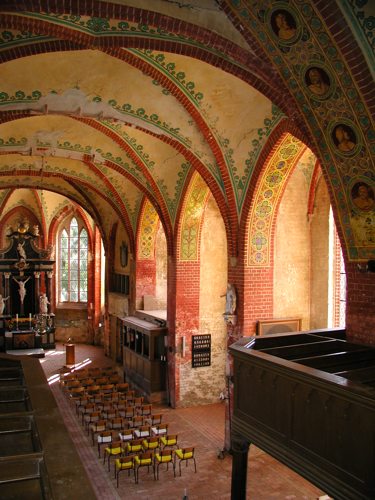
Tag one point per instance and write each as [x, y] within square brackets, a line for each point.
[22, 288]
[2, 304]
[231, 299]
[43, 304]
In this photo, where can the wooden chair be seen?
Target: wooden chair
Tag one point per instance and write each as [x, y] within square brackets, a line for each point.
[155, 419]
[159, 430]
[76, 394]
[102, 380]
[125, 463]
[127, 412]
[126, 435]
[144, 431]
[93, 389]
[107, 388]
[116, 423]
[184, 455]
[85, 410]
[109, 413]
[145, 410]
[145, 459]
[122, 387]
[164, 457]
[87, 382]
[114, 379]
[97, 427]
[138, 402]
[91, 418]
[137, 421]
[104, 438]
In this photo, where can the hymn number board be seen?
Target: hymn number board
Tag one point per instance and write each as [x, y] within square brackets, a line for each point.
[201, 350]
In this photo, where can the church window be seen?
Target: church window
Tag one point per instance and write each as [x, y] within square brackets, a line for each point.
[73, 262]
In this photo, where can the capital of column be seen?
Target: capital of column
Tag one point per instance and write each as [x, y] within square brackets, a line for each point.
[36, 275]
[7, 275]
[49, 274]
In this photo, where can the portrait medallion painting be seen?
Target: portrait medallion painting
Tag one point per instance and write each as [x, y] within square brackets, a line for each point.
[362, 195]
[344, 139]
[318, 82]
[284, 25]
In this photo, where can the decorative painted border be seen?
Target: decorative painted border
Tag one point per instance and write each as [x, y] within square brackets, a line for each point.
[195, 201]
[271, 187]
[147, 232]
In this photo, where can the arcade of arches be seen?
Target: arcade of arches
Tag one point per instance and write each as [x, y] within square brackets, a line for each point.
[196, 145]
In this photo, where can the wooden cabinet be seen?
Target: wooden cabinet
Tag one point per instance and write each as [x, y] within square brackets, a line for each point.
[144, 357]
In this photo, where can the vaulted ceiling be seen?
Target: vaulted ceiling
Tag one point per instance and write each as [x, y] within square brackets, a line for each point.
[109, 103]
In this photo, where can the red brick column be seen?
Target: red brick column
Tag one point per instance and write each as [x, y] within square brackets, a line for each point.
[183, 318]
[145, 279]
[360, 310]
[258, 297]
[94, 299]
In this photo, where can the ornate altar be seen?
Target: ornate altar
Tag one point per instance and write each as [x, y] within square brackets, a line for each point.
[26, 272]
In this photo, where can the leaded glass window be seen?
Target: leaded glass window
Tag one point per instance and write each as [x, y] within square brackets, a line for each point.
[73, 263]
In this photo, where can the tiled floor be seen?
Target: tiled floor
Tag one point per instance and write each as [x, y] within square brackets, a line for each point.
[201, 426]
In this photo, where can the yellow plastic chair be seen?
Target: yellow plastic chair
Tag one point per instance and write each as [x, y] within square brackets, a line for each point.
[145, 459]
[114, 450]
[168, 441]
[125, 463]
[184, 455]
[134, 446]
[164, 457]
[150, 443]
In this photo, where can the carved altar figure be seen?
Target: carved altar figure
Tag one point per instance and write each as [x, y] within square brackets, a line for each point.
[21, 251]
[2, 304]
[43, 304]
[22, 288]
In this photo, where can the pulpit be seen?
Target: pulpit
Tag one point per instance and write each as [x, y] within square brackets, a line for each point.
[70, 354]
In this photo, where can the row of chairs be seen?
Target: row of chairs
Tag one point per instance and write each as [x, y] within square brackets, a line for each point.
[150, 452]
[154, 460]
[135, 428]
[117, 408]
[90, 413]
[121, 422]
[86, 378]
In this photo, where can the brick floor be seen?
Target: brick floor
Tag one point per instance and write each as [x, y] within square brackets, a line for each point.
[201, 426]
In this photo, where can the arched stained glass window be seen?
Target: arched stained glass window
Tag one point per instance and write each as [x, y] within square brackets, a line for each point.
[73, 263]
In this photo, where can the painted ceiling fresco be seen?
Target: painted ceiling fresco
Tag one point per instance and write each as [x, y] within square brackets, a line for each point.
[111, 105]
